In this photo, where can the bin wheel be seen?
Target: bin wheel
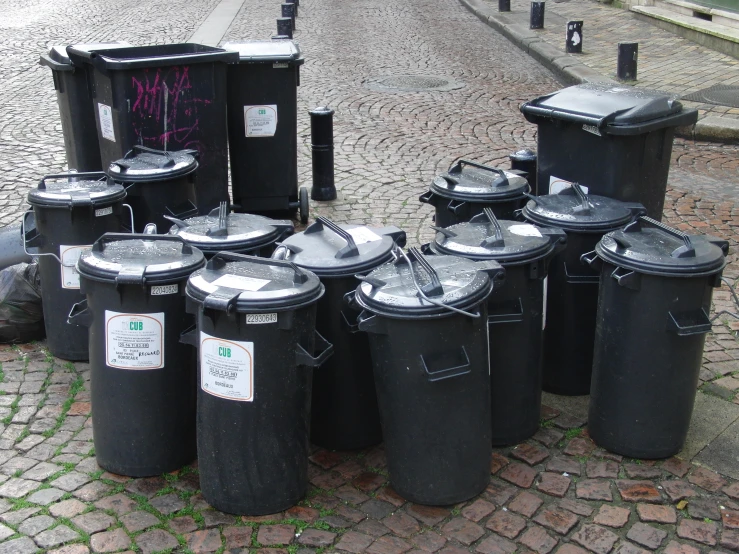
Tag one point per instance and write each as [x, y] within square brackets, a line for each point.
[304, 205]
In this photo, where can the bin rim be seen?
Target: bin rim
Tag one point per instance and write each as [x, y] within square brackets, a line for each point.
[500, 186]
[294, 57]
[183, 163]
[93, 190]
[109, 58]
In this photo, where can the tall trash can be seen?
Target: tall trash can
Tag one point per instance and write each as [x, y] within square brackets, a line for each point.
[344, 413]
[75, 106]
[142, 381]
[515, 313]
[587, 128]
[69, 212]
[256, 338]
[572, 291]
[427, 322]
[467, 188]
[167, 97]
[653, 306]
[262, 126]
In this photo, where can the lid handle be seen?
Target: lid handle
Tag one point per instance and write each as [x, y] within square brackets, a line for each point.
[585, 206]
[178, 222]
[349, 250]
[221, 300]
[140, 148]
[72, 176]
[131, 275]
[222, 229]
[686, 250]
[457, 168]
[446, 232]
[496, 240]
[372, 281]
[433, 288]
[220, 259]
[99, 245]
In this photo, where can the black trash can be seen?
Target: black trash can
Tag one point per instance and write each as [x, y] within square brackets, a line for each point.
[468, 188]
[262, 125]
[430, 360]
[256, 336]
[239, 233]
[653, 306]
[572, 289]
[168, 97]
[142, 381]
[613, 139]
[515, 313]
[158, 183]
[75, 106]
[70, 212]
[344, 414]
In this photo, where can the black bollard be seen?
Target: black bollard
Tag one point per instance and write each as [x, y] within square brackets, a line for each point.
[525, 160]
[322, 146]
[295, 6]
[288, 10]
[628, 52]
[504, 5]
[536, 20]
[574, 37]
[285, 27]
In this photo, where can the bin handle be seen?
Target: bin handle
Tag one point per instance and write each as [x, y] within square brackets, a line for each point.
[434, 288]
[374, 282]
[687, 250]
[434, 374]
[222, 229]
[130, 213]
[448, 234]
[627, 278]
[686, 324]
[500, 172]
[427, 197]
[326, 350]
[80, 314]
[581, 279]
[496, 240]
[591, 258]
[36, 237]
[349, 250]
[99, 244]
[457, 206]
[93, 175]
[515, 316]
[585, 206]
[299, 277]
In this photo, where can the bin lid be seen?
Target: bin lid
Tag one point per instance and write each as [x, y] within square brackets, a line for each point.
[220, 230]
[245, 283]
[485, 237]
[649, 246]
[139, 259]
[447, 280]
[266, 51]
[573, 210]
[67, 190]
[332, 250]
[125, 58]
[523, 155]
[58, 54]
[467, 180]
[146, 164]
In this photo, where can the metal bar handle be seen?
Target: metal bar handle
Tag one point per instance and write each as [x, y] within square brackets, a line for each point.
[460, 163]
[23, 236]
[496, 240]
[222, 229]
[299, 278]
[93, 176]
[350, 249]
[687, 250]
[436, 289]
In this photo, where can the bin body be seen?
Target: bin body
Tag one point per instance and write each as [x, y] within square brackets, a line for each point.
[262, 124]
[69, 217]
[142, 383]
[588, 127]
[650, 331]
[167, 97]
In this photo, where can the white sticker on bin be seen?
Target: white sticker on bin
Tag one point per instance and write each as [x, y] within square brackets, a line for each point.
[260, 121]
[260, 319]
[524, 230]
[69, 256]
[227, 368]
[239, 282]
[106, 122]
[104, 211]
[557, 185]
[134, 341]
[159, 290]
[362, 235]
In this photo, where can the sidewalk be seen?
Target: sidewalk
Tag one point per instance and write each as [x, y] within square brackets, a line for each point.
[667, 62]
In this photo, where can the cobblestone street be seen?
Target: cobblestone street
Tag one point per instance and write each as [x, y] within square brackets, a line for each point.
[555, 493]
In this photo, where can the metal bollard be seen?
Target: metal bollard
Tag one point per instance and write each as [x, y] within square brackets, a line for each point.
[295, 6]
[525, 160]
[536, 20]
[628, 53]
[574, 37]
[504, 5]
[285, 27]
[288, 10]
[322, 147]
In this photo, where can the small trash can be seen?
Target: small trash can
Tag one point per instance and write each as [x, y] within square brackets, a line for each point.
[615, 140]
[239, 233]
[653, 306]
[468, 188]
[256, 337]
[572, 288]
[165, 96]
[428, 331]
[75, 106]
[262, 126]
[158, 183]
[515, 313]
[69, 212]
[344, 413]
[142, 383]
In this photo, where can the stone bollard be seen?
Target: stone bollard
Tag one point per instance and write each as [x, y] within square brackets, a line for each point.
[628, 53]
[322, 147]
[288, 10]
[536, 20]
[285, 27]
[574, 37]
[295, 6]
[504, 5]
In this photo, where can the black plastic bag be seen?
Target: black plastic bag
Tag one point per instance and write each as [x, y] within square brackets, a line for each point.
[21, 313]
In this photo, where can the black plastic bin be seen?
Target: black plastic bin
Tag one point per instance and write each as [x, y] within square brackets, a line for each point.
[256, 337]
[615, 140]
[515, 313]
[468, 188]
[168, 97]
[430, 360]
[75, 106]
[344, 413]
[158, 183]
[142, 381]
[653, 306]
[572, 289]
[70, 212]
[262, 126]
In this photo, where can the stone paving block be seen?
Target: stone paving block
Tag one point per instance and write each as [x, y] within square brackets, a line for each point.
[17, 516]
[594, 489]
[42, 471]
[463, 530]
[428, 541]
[538, 540]
[354, 542]
[401, 524]
[612, 516]
[56, 536]
[701, 508]
[678, 490]
[147, 487]
[646, 535]
[110, 541]
[276, 534]
[19, 463]
[185, 524]
[579, 446]
[23, 545]
[525, 503]
[520, 475]
[428, 515]
[595, 538]
[92, 491]
[495, 544]
[17, 488]
[213, 518]
[637, 491]
[377, 508]
[310, 537]
[557, 519]
[388, 544]
[564, 465]
[70, 481]
[698, 531]
[478, 510]
[372, 527]
[45, 497]
[674, 547]
[497, 462]
[156, 540]
[93, 522]
[167, 503]
[208, 540]
[601, 468]
[34, 525]
[656, 513]
[642, 471]
[553, 484]
[628, 548]
[118, 503]
[67, 508]
[707, 479]
[530, 453]
[548, 436]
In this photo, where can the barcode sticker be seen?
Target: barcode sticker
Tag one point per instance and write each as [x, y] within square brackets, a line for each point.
[104, 211]
[159, 290]
[260, 319]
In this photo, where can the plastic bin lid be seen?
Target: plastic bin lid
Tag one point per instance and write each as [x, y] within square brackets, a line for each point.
[59, 53]
[220, 230]
[331, 250]
[446, 280]
[485, 237]
[266, 50]
[67, 190]
[573, 210]
[139, 259]
[467, 180]
[649, 246]
[147, 164]
[247, 284]
[523, 155]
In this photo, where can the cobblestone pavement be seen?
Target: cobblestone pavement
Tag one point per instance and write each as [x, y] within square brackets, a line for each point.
[555, 493]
